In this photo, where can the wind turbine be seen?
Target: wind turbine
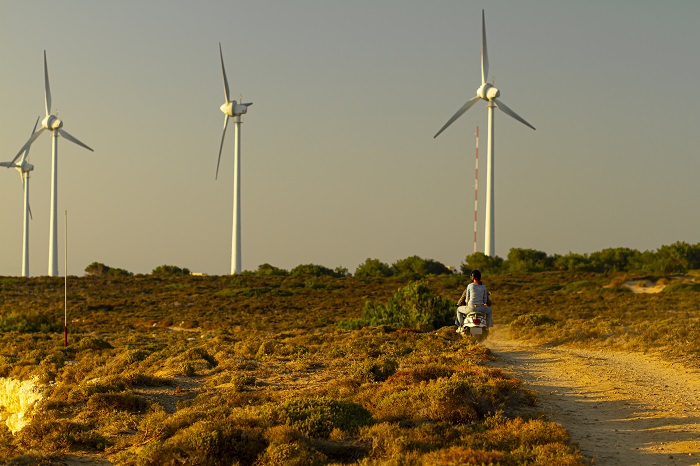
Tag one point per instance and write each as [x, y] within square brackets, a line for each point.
[490, 94]
[24, 167]
[55, 125]
[234, 109]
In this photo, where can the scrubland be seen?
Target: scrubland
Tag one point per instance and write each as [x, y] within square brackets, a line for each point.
[257, 370]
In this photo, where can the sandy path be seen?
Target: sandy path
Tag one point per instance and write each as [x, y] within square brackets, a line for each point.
[621, 408]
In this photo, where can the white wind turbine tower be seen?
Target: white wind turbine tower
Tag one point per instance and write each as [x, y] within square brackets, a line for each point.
[234, 109]
[490, 94]
[24, 167]
[53, 124]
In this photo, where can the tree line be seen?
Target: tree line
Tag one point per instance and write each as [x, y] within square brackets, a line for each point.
[678, 257]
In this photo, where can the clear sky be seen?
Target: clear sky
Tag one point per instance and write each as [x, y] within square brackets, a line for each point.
[338, 158]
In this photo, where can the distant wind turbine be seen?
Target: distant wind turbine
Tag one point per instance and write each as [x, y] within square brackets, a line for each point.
[234, 109]
[53, 124]
[24, 167]
[490, 94]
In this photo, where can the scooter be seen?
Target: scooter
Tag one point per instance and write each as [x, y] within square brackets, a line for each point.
[475, 325]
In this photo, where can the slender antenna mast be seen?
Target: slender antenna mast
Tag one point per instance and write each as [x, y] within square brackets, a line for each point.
[65, 289]
[476, 185]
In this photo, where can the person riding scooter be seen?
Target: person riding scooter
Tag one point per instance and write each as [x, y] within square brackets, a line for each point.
[474, 298]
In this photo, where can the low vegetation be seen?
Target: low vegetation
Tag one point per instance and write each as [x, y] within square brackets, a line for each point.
[309, 368]
[265, 370]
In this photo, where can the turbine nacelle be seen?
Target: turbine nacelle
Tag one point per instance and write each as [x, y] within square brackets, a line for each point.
[52, 122]
[25, 167]
[234, 108]
[488, 92]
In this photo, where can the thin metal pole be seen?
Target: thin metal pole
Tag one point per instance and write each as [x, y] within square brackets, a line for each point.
[65, 289]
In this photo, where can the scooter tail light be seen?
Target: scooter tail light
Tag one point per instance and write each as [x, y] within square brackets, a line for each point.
[477, 321]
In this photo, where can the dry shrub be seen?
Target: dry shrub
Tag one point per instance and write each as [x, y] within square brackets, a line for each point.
[510, 434]
[93, 343]
[386, 439]
[85, 390]
[125, 401]
[464, 457]
[200, 354]
[419, 374]
[464, 397]
[370, 370]
[153, 425]
[133, 356]
[546, 455]
[291, 454]
[50, 433]
[274, 347]
[217, 443]
[242, 381]
[317, 417]
[190, 362]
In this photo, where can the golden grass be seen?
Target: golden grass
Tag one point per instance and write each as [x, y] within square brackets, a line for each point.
[254, 370]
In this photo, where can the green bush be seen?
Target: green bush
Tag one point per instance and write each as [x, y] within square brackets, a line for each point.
[30, 322]
[415, 266]
[267, 270]
[206, 443]
[412, 306]
[317, 417]
[170, 270]
[98, 269]
[373, 268]
[313, 270]
[682, 288]
[482, 262]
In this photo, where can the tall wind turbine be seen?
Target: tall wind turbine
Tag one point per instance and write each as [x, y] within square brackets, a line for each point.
[53, 124]
[24, 167]
[234, 109]
[490, 94]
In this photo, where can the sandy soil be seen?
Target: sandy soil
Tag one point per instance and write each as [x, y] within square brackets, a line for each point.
[621, 408]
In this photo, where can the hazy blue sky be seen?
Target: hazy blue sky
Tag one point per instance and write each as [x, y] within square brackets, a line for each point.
[339, 161]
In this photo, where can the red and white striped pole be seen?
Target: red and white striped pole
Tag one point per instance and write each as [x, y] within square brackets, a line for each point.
[476, 185]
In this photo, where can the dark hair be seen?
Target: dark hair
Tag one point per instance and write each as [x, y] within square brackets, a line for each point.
[476, 274]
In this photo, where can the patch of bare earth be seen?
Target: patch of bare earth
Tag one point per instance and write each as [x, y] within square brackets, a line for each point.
[621, 408]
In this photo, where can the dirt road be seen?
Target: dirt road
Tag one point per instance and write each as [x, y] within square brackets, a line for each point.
[621, 408]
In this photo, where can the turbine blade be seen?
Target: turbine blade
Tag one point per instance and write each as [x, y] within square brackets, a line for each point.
[223, 70]
[47, 88]
[36, 123]
[484, 51]
[7, 164]
[66, 135]
[511, 113]
[26, 145]
[26, 152]
[459, 113]
[221, 146]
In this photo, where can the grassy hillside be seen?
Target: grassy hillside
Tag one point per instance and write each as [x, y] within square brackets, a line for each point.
[255, 370]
